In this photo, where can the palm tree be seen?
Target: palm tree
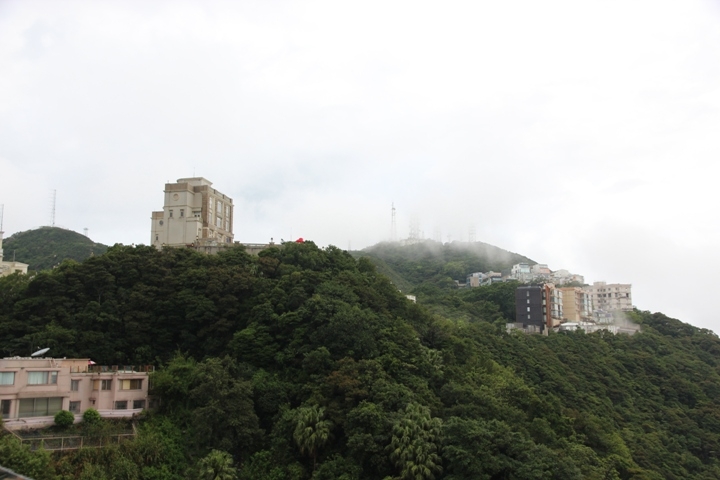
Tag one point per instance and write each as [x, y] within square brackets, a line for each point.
[413, 448]
[311, 430]
[217, 465]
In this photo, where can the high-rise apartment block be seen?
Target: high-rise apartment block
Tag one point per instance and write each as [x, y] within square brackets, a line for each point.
[610, 296]
[577, 304]
[538, 307]
[194, 213]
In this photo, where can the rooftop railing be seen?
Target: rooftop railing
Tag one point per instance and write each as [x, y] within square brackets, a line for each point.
[113, 369]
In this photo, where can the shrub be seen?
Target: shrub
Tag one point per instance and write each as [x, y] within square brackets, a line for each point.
[64, 419]
[91, 416]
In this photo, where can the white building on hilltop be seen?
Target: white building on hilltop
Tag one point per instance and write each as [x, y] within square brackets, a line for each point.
[193, 213]
[8, 268]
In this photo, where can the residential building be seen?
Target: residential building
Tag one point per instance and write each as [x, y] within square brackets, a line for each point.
[521, 272]
[539, 306]
[33, 390]
[561, 277]
[577, 304]
[194, 214]
[8, 268]
[610, 296]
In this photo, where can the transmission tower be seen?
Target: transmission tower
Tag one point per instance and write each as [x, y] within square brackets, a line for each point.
[393, 226]
[52, 212]
[414, 230]
[85, 231]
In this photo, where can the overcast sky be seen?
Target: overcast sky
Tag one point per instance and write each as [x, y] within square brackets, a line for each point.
[584, 135]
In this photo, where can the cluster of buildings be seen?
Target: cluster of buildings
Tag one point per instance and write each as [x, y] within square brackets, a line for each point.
[560, 300]
[33, 390]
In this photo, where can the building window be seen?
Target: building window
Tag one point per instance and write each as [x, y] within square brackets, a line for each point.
[182, 212]
[74, 385]
[102, 384]
[39, 407]
[528, 309]
[7, 378]
[171, 214]
[5, 408]
[157, 237]
[74, 407]
[135, 384]
[121, 405]
[42, 378]
[218, 222]
[219, 207]
[138, 404]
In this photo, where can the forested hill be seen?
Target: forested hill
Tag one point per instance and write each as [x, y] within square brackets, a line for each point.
[306, 363]
[46, 247]
[408, 266]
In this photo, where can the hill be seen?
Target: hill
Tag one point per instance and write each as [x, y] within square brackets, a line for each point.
[428, 266]
[307, 363]
[47, 247]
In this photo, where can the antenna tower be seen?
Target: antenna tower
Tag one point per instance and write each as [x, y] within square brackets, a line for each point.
[52, 215]
[393, 226]
[85, 231]
[414, 230]
[471, 233]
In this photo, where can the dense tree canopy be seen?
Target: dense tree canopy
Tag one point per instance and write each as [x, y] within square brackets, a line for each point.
[307, 363]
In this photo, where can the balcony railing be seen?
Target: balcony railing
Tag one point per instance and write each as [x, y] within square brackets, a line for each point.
[113, 369]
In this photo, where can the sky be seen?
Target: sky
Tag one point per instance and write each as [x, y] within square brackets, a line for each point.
[583, 135]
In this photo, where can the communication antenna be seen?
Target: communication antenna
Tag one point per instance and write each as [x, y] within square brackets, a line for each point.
[40, 352]
[52, 215]
[471, 233]
[414, 229]
[85, 231]
[393, 226]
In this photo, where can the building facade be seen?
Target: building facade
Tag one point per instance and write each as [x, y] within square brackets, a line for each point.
[33, 390]
[577, 304]
[538, 307]
[193, 213]
[609, 297]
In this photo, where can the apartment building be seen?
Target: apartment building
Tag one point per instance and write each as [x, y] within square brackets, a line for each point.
[193, 213]
[577, 304]
[33, 390]
[538, 307]
[610, 296]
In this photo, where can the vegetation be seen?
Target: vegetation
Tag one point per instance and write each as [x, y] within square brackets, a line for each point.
[64, 419]
[48, 247]
[307, 363]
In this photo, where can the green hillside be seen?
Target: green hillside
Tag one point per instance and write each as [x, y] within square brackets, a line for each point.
[47, 247]
[305, 363]
[430, 261]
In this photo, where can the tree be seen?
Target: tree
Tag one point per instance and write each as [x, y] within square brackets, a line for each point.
[64, 419]
[311, 430]
[217, 465]
[413, 447]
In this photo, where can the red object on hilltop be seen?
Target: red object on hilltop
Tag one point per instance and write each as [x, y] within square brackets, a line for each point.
[300, 240]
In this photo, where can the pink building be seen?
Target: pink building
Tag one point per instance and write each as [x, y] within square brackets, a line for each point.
[33, 390]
